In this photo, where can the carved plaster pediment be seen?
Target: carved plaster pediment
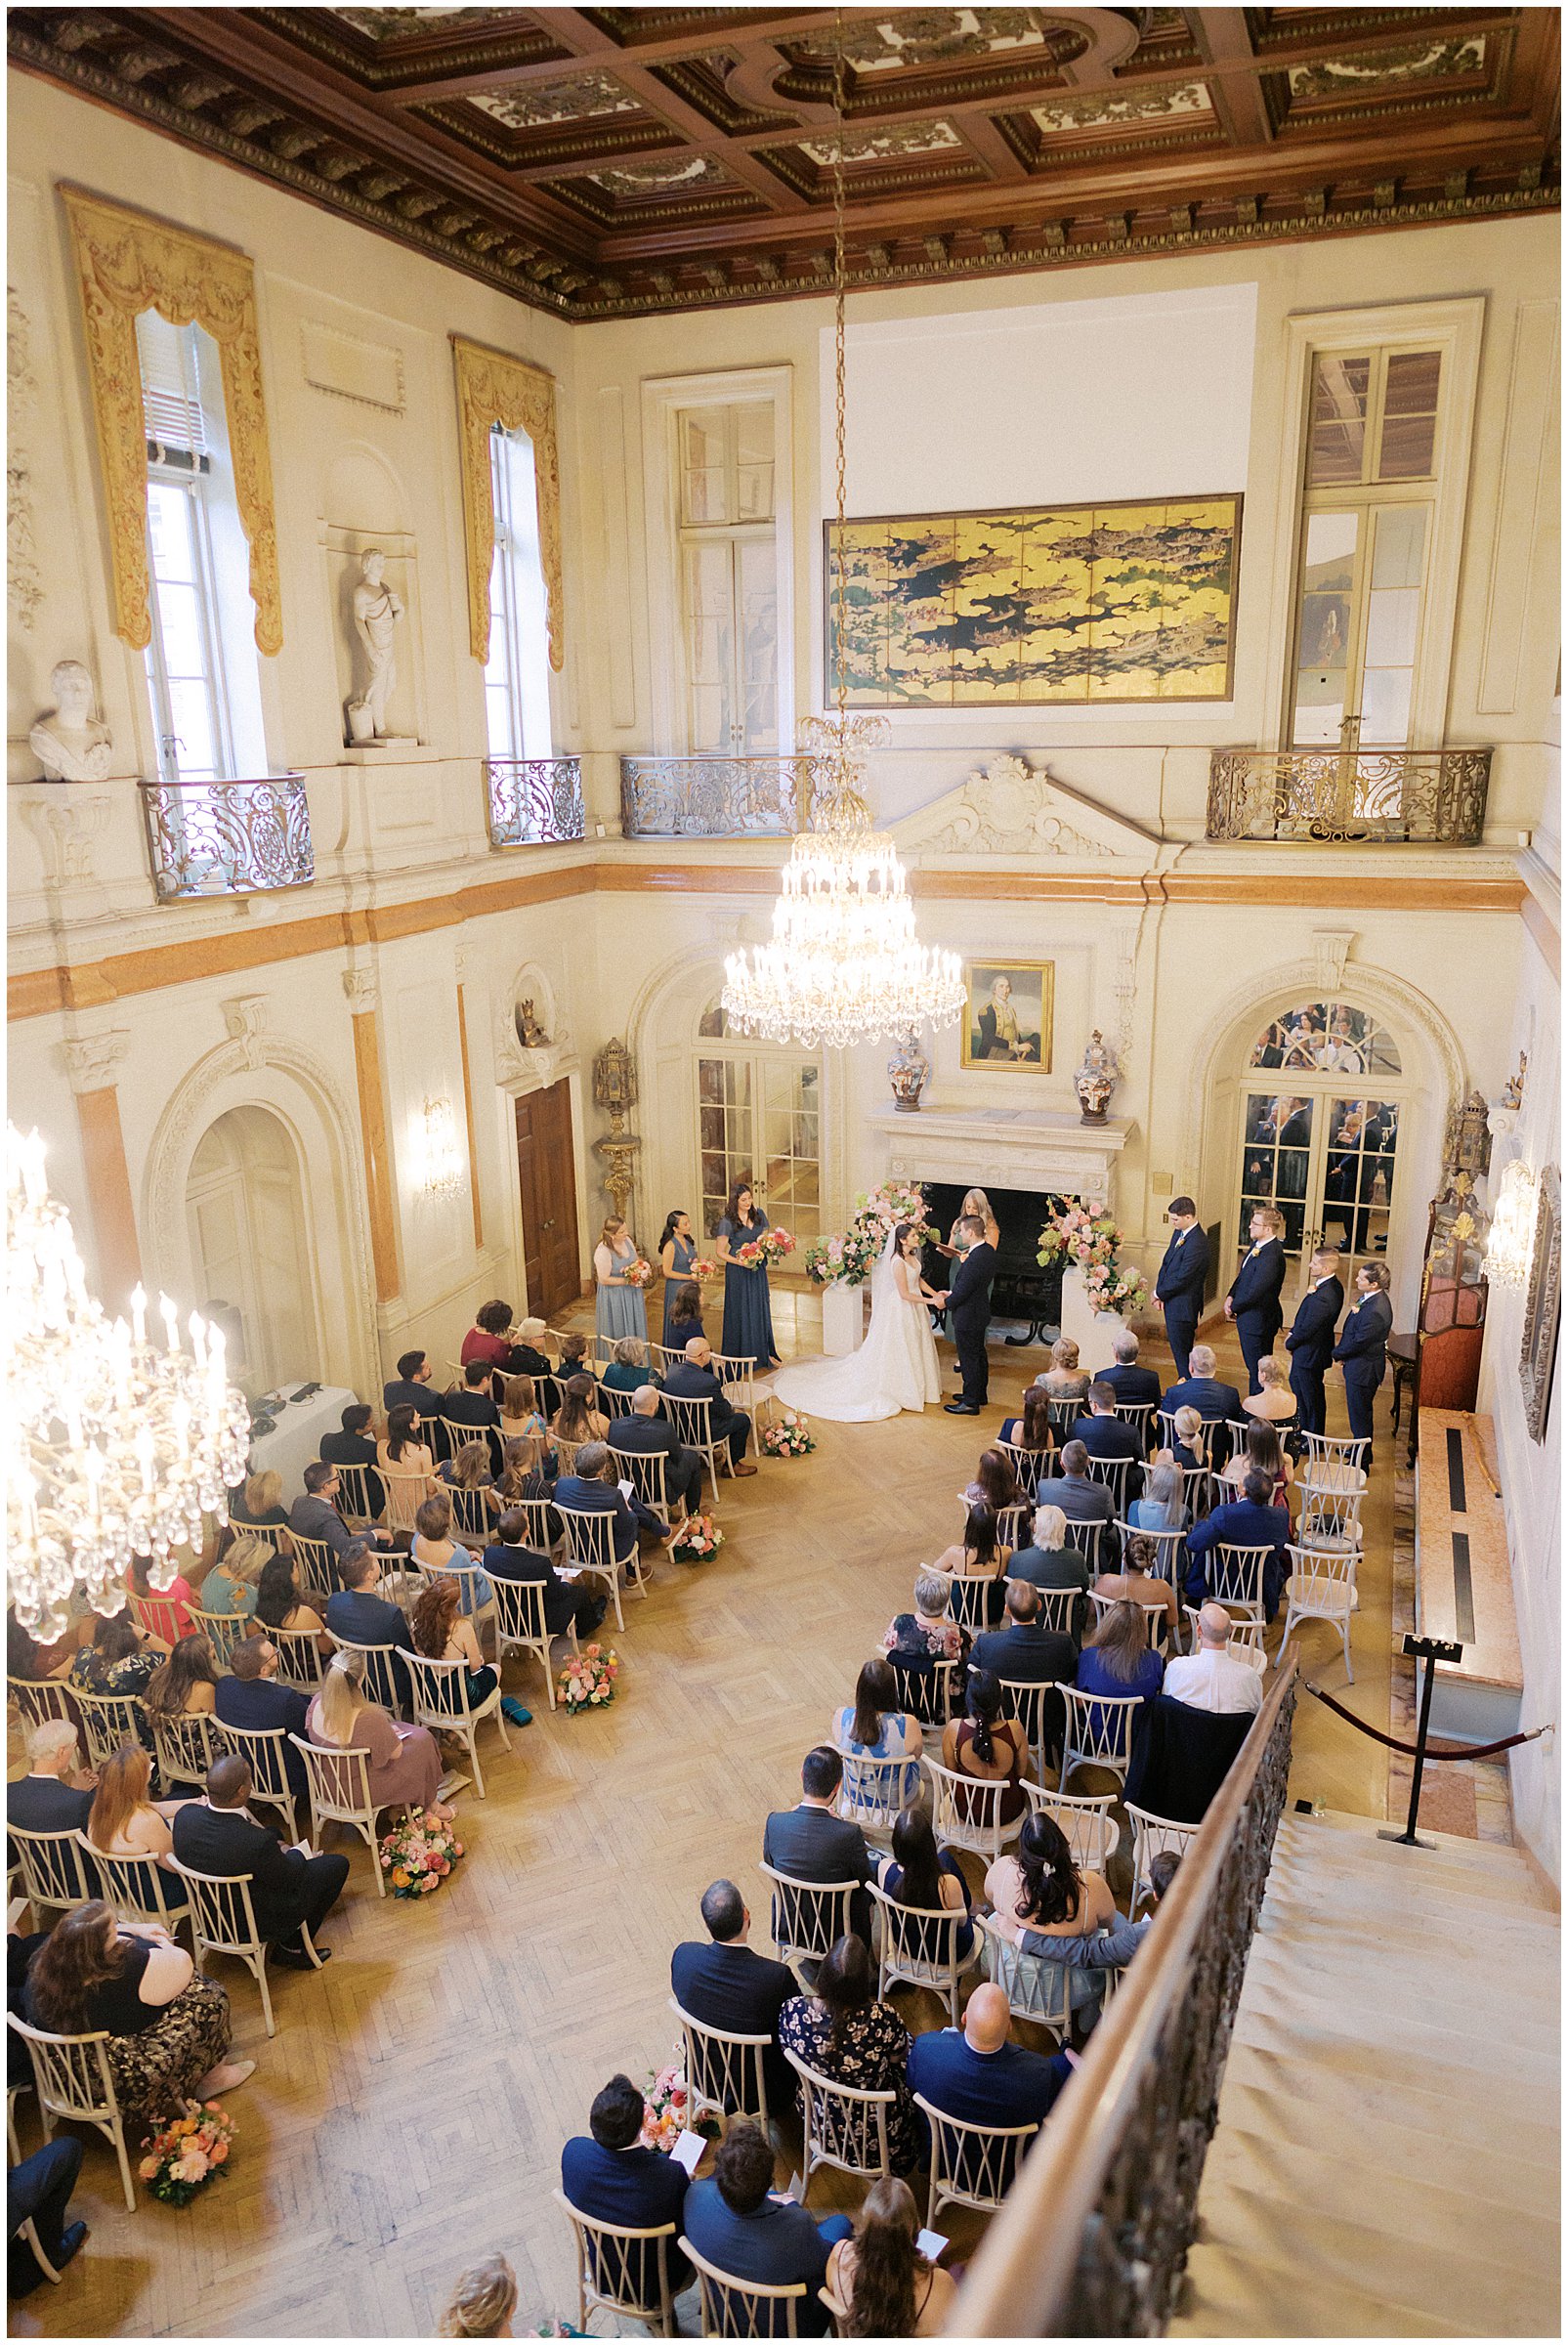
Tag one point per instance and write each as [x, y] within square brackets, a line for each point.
[1012, 808]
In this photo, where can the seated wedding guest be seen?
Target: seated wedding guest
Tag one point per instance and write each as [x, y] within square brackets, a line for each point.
[1033, 1430]
[592, 1488]
[239, 1560]
[573, 1360]
[316, 1515]
[810, 1843]
[279, 1603]
[987, 1746]
[882, 2278]
[928, 1632]
[919, 1874]
[356, 1445]
[1201, 1389]
[1050, 1560]
[468, 1469]
[38, 2192]
[843, 2033]
[520, 1409]
[405, 1765]
[1023, 1653]
[401, 1451]
[291, 1890]
[975, 2074]
[1134, 1387]
[1162, 1506]
[647, 1433]
[1075, 1490]
[1105, 1434]
[50, 1797]
[412, 1387]
[628, 1370]
[529, 1471]
[738, 2223]
[567, 1603]
[694, 1379]
[168, 2027]
[1215, 1677]
[1250, 1520]
[1118, 1659]
[471, 1403]
[873, 1726]
[684, 1321]
[439, 1632]
[1138, 1581]
[251, 1696]
[261, 1503]
[164, 1613]
[432, 1548]
[125, 1822]
[1274, 1401]
[980, 1556]
[578, 1420]
[1190, 1448]
[1040, 1889]
[118, 1660]
[359, 1615]
[1261, 1453]
[995, 1482]
[489, 1341]
[483, 2301]
[1063, 1380]
[184, 1686]
[529, 1357]
[611, 2175]
[725, 1985]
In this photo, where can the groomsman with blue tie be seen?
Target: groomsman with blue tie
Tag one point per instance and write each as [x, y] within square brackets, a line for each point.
[1253, 1300]
[1310, 1342]
[1183, 1276]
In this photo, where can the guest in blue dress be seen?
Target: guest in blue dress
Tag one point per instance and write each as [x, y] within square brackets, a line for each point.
[1118, 1660]
[619, 1309]
[747, 1308]
[873, 1726]
[677, 1252]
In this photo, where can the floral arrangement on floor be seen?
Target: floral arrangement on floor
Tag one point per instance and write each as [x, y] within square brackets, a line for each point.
[789, 1436]
[699, 1537]
[588, 1680]
[1093, 1242]
[418, 1854]
[185, 2156]
[852, 1257]
[667, 2108]
[640, 1273]
[772, 1247]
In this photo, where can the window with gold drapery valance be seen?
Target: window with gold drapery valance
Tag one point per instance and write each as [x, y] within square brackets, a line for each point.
[127, 262]
[495, 389]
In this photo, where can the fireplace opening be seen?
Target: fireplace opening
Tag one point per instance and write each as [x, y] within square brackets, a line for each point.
[1025, 1301]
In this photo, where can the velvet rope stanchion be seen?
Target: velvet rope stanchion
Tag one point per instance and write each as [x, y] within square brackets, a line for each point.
[1445, 1750]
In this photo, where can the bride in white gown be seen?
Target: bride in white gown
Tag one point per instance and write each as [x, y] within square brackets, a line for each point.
[895, 1368]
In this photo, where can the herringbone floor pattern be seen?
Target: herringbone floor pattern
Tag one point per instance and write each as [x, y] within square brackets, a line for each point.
[409, 2114]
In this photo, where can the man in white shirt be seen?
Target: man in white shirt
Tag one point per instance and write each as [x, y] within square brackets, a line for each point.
[1215, 1678]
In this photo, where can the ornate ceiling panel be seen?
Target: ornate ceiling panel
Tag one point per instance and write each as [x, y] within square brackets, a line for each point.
[602, 163]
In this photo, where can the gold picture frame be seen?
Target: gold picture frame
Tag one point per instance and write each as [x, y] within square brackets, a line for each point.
[1028, 1005]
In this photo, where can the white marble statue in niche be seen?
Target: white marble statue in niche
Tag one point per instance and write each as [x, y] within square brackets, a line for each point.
[376, 613]
[70, 743]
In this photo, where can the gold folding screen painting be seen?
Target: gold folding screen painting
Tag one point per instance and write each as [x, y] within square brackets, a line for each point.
[1127, 602]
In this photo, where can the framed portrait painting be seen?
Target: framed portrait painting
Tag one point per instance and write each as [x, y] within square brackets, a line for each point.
[1007, 1014]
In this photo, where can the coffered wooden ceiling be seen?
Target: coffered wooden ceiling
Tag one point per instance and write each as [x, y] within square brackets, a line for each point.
[606, 162]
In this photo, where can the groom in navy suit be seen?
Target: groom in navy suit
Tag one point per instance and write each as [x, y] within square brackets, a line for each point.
[969, 1301]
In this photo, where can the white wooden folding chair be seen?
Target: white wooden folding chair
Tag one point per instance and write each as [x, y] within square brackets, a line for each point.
[1098, 1732]
[108, 1721]
[473, 1585]
[262, 1749]
[1058, 1607]
[1335, 1449]
[73, 2080]
[1086, 1537]
[1139, 1414]
[1024, 1701]
[41, 1698]
[738, 1374]
[726, 2075]
[742, 2308]
[967, 1593]
[359, 1500]
[1113, 1473]
[315, 1570]
[137, 1886]
[1085, 1822]
[1153, 1836]
[693, 1420]
[966, 1813]
[1331, 1496]
[1062, 1415]
[875, 1791]
[380, 1672]
[1155, 1618]
[971, 2165]
[1322, 1586]
[590, 1539]
[612, 2271]
[920, 1948]
[299, 1657]
[441, 1702]
[520, 1627]
[1233, 1576]
[223, 1632]
[541, 1525]
[1036, 1989]
[1168, 1545]
[1246, 1638]
[183, 1748]
[1030, 1465]
[924, 1688]
[223, 1921]
[645, 1471]
[473, 1516]
[844, 2125]
[340, 1794]
[405, 1493]
[50, 1866]
[807, 1918]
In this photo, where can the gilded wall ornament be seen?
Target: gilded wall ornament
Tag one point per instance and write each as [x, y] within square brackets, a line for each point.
[491, 389]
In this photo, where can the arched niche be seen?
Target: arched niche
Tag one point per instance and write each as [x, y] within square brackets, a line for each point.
[250, 1252]
[366, 505]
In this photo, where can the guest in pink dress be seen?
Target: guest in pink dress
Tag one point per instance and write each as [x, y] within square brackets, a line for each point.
[405, 1765]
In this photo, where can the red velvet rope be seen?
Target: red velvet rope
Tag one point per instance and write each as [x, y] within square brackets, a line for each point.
[1434, 1750]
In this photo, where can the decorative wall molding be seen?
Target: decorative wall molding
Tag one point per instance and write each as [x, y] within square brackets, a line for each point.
[66, 819]
[1010, 807]
[24, 585]
[245, 1019]
[91, 1059]
[350, 366]
[494, 388]
[127, 262]
[361, 990]
[1332, 948]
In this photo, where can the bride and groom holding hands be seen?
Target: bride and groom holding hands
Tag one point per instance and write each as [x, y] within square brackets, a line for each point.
[896, 1368]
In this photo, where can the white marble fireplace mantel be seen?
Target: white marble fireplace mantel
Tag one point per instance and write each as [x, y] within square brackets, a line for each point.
[1000, 1147]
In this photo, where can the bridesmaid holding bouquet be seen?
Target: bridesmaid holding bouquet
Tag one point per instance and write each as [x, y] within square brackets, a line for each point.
[677, 1252]
[618, 1309]
[748, 1306]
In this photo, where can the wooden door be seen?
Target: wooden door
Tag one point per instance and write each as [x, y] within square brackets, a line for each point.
[547, 1182]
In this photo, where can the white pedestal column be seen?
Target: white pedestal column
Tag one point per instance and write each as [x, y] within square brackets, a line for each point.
[843, 1319]
[1093, 1332]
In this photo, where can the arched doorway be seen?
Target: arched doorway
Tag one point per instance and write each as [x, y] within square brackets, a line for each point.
[759, 1119]
[250, 1247]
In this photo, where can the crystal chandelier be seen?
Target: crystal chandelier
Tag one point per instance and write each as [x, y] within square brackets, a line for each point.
[845, 965]
[113, 1448]
[1511, 1236]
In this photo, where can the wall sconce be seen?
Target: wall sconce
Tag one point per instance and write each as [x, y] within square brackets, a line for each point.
[1511, 1236]
[440, 1159]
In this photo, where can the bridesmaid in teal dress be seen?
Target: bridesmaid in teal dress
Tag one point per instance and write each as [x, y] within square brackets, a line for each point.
[677, 1252]
[619, 1309]
[747, 1308]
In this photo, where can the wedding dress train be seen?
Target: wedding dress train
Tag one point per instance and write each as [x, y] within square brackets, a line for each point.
[895, 1368]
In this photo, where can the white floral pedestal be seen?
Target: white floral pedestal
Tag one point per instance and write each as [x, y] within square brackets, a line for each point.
[843, 1319]
[1093, 1332]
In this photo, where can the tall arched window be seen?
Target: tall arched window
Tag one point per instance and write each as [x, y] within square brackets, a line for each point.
[759, 1120]
[1320, 1116]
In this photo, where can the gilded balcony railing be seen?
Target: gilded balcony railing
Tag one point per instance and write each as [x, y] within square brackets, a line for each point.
[533, 802]
[713, 797]
[1093, 2235]
[228, 838]
[1433, 797]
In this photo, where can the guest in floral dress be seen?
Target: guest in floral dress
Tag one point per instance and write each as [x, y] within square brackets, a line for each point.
[928, 1632]
[118, 1661]
[844, 2033]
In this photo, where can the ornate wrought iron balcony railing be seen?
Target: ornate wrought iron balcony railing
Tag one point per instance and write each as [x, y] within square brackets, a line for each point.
[228, 838]
[713, 797]
[533, 802]
[1433, 797]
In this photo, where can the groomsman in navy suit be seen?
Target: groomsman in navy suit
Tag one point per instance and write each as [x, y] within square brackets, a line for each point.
[1183, 1276]
[1361, 1350]
[1253, 1300]
[1310, 1342]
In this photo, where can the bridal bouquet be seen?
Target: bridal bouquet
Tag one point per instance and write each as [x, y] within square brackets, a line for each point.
[789, 1437]
[419, 1854]
[184, 2157]
[588, 1680]
[699, 1537]
[1093, 1241]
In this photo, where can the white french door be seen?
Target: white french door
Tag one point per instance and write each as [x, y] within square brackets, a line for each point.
[1326, 1156]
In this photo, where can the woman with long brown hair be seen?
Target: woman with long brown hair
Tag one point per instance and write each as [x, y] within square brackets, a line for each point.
[280, 1606]
[873, 1726]
[1032, 1429]
[168, 2027]
[979, 1554]
[996, 1484]
[986, 1745]
[748, 1307]
[576, 1419]
[880, 2277]
[1041, 1889]
[842, 2031]
[529, 1470]
[1118, 1658]
[184, 1686]
[683, 1316]
[442, 1634]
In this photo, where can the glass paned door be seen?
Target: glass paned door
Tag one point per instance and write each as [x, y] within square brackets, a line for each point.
[1361, 1139]
[758, 1120]
[725, 1138]
[1277, 1161]
[1327, 1163]
[791, 1126]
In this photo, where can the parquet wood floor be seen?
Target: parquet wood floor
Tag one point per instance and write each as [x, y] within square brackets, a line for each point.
[409, 2116]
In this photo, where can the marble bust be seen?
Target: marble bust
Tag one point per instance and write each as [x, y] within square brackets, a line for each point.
[70, 743]
[376, 613]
